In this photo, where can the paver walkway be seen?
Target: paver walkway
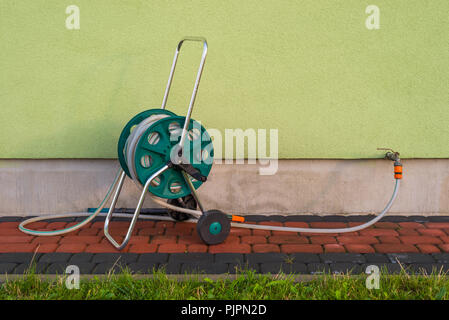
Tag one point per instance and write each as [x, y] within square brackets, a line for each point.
[416, 242]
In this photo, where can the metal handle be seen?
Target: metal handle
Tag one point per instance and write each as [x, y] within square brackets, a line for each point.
[197, 81]
[117, 245]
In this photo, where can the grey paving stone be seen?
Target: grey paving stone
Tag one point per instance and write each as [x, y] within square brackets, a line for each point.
[151, 211]
[410, 258]
[345, 267]
[386, 268]
[376, 257]
[11, 219]
[7, 267]
[276, 218]
[57, 268]
[55, 257]
[439, 257]
[305, 257]
[86, 267]
[429, 268]
[342, 257]
[108, 267]
[202, 267]
[438, 219]
[395, 219]
[304, 218]
[243, 267]
[191, 257]
[335, 218]
[38, 267]
[229, 258]
[143, 268]
[419, 219]
[81, 257]
[172, 268]
[153, 257]
[255, 218]
[360, 218]
[19, 257]
[287, 268]
[265, 257]
[121, 258]
[61, 267]
[120, 219]
[318, 268]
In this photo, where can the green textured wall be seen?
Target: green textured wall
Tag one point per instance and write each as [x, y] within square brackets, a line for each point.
[333, 88]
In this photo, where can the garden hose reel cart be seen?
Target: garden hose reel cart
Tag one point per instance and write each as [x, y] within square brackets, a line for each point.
[170, 156]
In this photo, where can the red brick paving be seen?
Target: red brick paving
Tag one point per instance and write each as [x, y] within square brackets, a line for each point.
[143, 248]
[264, 248]
[359, 248]
[333, 247]
[170, 237]
[308, 248]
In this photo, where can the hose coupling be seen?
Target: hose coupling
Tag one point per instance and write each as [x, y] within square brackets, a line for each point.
[397, 169]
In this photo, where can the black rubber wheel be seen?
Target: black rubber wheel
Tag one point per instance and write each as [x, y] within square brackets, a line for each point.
[187, 202]
[213, 227]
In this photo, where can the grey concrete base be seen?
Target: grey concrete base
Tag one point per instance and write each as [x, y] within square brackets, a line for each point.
[35, 187]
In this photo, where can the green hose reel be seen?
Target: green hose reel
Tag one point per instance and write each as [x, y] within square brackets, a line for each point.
[169, 156]
[154, 147]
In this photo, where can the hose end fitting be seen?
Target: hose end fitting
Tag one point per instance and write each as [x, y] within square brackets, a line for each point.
[397, 169]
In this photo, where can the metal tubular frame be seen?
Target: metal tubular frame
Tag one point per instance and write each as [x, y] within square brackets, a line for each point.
[122, 178]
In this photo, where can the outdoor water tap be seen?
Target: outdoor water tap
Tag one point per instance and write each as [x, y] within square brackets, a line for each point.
[391, 154]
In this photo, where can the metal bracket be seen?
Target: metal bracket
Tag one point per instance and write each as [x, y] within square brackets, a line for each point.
[118, 189]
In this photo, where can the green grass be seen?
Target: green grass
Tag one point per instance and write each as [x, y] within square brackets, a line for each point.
[247, 285]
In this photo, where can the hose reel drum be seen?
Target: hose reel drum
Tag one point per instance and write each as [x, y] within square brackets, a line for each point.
[150, 144]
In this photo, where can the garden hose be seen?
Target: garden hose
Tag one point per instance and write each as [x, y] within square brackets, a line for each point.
[196, 214]
[133, 139]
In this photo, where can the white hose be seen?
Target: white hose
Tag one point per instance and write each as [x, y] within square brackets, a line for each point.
[197, 213]
[133, 139]
[68, 215]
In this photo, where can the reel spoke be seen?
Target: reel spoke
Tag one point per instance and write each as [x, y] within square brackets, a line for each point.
[153, 148]
[158, 142]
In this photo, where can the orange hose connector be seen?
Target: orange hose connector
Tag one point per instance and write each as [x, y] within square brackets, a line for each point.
[238, 218]
[398, 171]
